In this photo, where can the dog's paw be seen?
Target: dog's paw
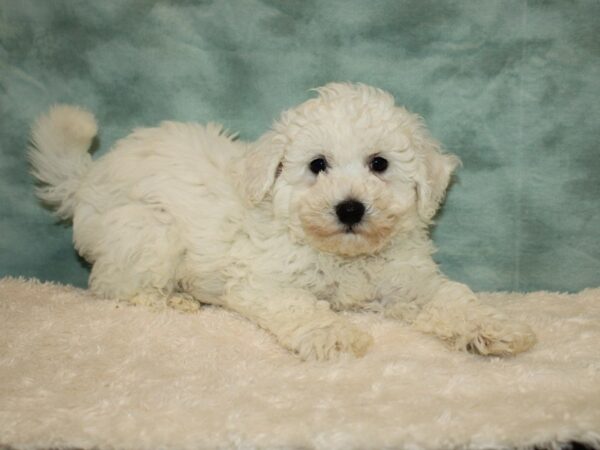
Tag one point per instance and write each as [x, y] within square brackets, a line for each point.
[501, 338]
[159, 302]
[183, 302]
[470, 326]
[328, 341]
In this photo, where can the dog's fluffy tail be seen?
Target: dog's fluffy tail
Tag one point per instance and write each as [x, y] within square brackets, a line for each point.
[59, 155]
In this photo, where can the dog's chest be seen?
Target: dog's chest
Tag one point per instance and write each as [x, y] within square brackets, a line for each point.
[346, 284]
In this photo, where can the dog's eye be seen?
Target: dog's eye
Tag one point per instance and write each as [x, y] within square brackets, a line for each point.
[378, 164]
[318, 165]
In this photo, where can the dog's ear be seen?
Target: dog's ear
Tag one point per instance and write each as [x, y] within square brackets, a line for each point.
[260, 166]
[433, 174]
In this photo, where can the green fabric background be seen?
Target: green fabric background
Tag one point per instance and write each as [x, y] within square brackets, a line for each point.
[512, 87]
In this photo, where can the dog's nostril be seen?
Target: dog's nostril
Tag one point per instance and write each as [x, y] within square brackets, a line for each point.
[350, 212]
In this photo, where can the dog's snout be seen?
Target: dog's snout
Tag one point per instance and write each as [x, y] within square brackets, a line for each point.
[350, 212]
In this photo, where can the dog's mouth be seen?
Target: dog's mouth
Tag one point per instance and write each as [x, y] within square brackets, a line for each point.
[345, 233]
[350, 229]
[347, 240]
[353, 229]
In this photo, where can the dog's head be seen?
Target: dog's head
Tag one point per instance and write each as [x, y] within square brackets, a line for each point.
[348, 170]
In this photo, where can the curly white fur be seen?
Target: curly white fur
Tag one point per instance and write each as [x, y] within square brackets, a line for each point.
[183, 211]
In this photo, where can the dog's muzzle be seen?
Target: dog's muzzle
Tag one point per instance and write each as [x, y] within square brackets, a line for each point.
[350, 212]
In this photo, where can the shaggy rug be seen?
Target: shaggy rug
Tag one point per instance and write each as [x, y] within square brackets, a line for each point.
[79, 372]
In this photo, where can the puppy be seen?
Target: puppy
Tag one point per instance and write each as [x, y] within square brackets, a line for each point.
[327, 211]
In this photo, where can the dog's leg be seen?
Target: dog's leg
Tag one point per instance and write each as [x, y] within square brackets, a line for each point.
[301, 323]
[136, 251]
[454, 314]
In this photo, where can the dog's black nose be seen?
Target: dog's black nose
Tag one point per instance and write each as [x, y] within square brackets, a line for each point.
[350, 212]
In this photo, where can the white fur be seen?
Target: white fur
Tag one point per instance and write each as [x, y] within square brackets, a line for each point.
[184, 211]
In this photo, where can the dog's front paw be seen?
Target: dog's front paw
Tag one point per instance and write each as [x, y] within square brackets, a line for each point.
[475, 328]
[328, 340]
[501, 338]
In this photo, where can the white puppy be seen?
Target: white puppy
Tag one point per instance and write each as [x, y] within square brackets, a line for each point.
[327, 211]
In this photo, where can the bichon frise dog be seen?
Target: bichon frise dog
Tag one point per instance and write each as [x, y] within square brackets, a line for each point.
[328, 211]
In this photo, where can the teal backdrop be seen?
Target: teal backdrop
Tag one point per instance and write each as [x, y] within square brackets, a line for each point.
[512, 87]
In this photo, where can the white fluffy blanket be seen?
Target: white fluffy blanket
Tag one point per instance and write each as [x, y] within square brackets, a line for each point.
[80, 372]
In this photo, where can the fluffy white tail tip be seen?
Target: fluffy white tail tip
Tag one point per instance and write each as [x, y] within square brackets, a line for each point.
[65, 128]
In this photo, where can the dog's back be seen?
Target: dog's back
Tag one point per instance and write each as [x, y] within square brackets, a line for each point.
[136, 209]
